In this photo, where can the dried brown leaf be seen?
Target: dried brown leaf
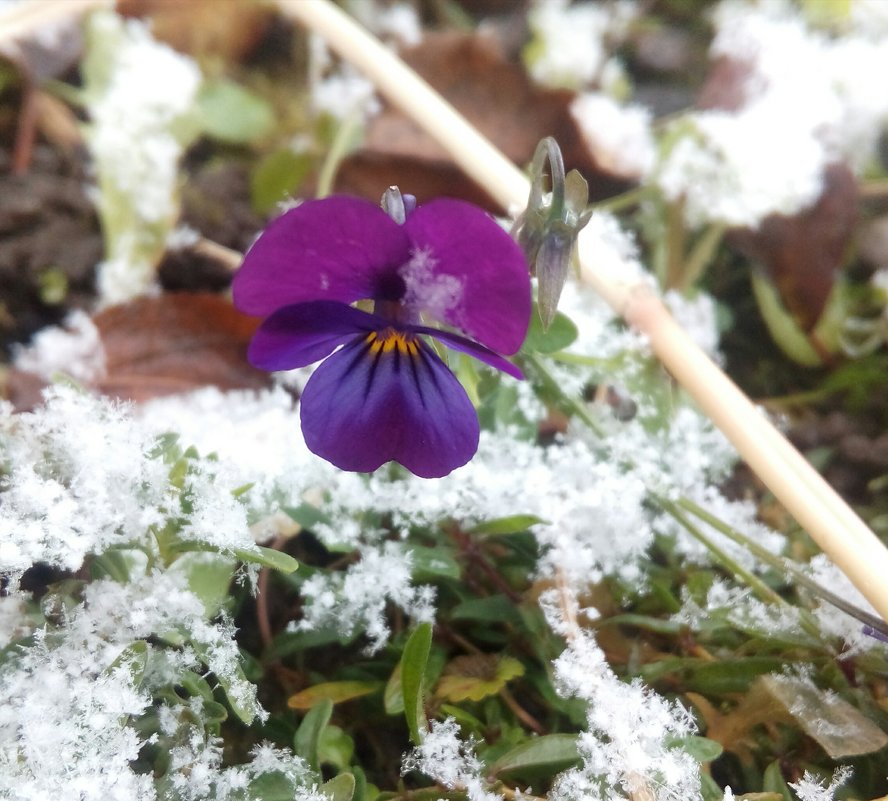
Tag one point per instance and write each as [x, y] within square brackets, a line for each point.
[175, 343]
[496, 96]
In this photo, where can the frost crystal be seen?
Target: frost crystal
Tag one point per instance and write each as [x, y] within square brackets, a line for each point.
[572, 42]
[810, 788]
[449, 761]
[619, 137]
[624, 748]
[141, 97]
[357, 598]
[809, 100]
[74, 349]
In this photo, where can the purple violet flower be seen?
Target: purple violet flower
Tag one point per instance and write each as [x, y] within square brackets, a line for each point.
[385, 395]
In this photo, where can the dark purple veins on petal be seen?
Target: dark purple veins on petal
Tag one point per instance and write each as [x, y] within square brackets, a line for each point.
[386, 396]
[303, 333]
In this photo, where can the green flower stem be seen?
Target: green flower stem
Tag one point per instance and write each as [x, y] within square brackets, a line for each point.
[762, 590]
[784, 565]
[340, 147]
[550, 383]
[701, 256]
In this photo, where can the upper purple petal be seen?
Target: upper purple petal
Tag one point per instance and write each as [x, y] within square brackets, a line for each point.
[467, 271]
[338, 248]
[303, 333]
[464, 345]
[360, 410]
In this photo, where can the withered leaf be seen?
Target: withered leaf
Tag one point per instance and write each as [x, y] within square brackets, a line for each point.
[495, 95]
[175, 343]
[803, 253]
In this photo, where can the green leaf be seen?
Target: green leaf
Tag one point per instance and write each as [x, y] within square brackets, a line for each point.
[700, 748]
[233, 114]
[393, 697]
[340, 788]
[413, 664]
[559, 335]
[276, 178]
[133, 658]
[514, 524]
[335, 691]
[555, 752]
[335, 748]
[268, 557]
[308, 735]
[773, 781]
[208, 575]
[431, 563]
[493, 609]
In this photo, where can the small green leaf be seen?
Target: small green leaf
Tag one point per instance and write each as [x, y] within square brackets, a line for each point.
[431, 563]
[493, 609]
[340, 788]
[308, 735]
[233, 114]
[393, 697]
[556, 752]
[514, 524]
[700, 748]
[268, 557]
[413, 664]
[561, 333]
[773, 781]
[335, 747]
[276, 178]
[335, 691]
[208, 575]
[134, 658]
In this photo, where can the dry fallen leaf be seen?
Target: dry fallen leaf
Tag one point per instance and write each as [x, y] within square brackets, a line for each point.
[496, 96]
[803, 253]
[175, 343]
[161, 346]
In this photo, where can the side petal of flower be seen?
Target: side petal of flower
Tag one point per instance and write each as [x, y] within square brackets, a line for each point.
[338, 248]
[303, 333]
[467, 271]
[464, 345]
[375, 401]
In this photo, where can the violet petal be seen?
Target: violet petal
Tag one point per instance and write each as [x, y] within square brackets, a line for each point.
[464, 345]
[303, 333]
[467, 271]
[338, 248]
[360, 410]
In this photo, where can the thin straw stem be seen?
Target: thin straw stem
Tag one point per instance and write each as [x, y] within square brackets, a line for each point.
[813, 503]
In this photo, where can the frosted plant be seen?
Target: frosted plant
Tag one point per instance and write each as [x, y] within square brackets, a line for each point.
[141, 97]
[810, 788]
[356, 599]
[450, 761]
[572, 42]
[81, 475]
[619, 137]
[807, 100]
[627, 748]
[74, 349]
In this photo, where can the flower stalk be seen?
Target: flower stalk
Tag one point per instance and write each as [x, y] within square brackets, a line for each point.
[842, 535]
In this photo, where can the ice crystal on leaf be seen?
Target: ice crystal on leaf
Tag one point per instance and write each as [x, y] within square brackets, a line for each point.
[450, 761]
[810, 788]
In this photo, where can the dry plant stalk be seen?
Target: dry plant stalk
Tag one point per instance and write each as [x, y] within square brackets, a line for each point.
[842, 535]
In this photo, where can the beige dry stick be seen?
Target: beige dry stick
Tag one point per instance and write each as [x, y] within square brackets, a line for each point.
[814, 504]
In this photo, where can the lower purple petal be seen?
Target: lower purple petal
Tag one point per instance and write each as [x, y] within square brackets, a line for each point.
[304, 333]
[362, 408]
